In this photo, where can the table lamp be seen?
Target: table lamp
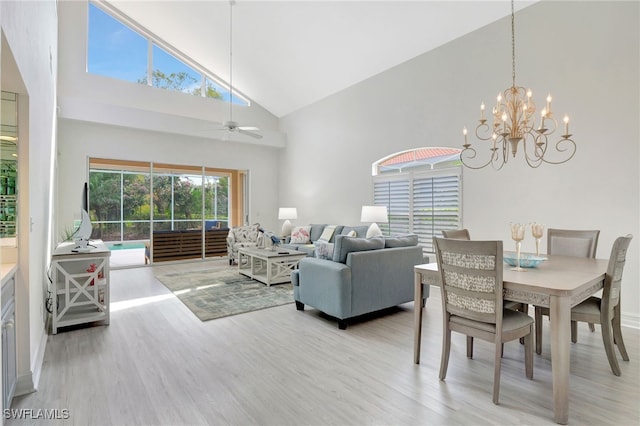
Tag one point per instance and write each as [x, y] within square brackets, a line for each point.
[374, 214]
[287, 213]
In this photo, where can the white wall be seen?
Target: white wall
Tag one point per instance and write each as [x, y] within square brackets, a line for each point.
[585, 53]
[104, 117]
[80, 140]
[31, 29]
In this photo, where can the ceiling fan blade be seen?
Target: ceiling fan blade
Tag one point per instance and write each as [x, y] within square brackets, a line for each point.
[249, 128]
[245, 132]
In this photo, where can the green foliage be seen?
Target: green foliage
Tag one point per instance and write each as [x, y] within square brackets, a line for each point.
[180, 82]
[212, 92]
[177, 197]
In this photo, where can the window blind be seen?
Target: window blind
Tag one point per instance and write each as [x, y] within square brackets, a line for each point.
[422, 203]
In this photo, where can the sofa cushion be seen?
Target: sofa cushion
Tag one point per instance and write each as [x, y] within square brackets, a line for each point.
[300, 235]
[361, 231]
[345, 245]
[316, 230]
[309, 249]
[401, 241]
[324, 250]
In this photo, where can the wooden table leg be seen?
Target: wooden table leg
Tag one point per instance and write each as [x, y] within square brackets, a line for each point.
[560, 324]
[417, 308]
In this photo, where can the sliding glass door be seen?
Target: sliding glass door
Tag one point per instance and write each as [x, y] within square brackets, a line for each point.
[130, 201]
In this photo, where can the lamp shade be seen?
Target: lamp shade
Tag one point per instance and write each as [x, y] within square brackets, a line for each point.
[287, 213]
[374, 214]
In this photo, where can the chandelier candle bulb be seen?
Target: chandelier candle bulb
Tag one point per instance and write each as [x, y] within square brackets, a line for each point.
[482, 111]
[566, 124]
[549, 104]
[543, 114]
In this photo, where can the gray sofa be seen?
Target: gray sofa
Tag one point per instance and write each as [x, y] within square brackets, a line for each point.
[316, 232]
[365, 275]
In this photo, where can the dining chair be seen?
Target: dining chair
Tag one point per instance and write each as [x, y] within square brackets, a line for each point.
[458, 234]
[572, 242]
[567, 242]
[606, 310]
[463, 234]
[472, 302]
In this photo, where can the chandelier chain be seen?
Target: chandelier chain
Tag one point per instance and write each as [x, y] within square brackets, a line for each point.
[513, 46]
[231, 3]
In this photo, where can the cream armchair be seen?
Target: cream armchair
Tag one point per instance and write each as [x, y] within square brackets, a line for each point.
[242, 237]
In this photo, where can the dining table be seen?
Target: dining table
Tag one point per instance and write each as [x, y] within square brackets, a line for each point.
[558, 283]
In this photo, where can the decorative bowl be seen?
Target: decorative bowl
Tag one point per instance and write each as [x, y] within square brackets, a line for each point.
[526, 260]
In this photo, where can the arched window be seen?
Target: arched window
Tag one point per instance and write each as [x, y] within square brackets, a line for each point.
[422, 189]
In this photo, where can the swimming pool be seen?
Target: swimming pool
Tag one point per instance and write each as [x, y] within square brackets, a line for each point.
[125, 246]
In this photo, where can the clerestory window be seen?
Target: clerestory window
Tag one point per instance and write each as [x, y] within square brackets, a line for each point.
[126, 51]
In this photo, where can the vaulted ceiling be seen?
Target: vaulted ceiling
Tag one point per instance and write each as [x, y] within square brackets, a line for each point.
[289, 54]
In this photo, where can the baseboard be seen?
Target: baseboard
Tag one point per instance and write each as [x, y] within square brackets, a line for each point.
[28, 383]
[630, 320]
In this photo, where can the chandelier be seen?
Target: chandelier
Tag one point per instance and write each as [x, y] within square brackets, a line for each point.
[513, 125]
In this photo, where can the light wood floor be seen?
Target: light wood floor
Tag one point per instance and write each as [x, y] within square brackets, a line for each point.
[157, 364]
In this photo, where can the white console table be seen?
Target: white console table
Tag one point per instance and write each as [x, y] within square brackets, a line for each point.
[80, 283]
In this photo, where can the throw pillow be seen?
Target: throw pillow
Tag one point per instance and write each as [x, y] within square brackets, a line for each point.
[324, 250]
[374, 231]
[361, 231]
[401, 241]
[327, 233]
[345, 245]
[351, 233]
[300, 235]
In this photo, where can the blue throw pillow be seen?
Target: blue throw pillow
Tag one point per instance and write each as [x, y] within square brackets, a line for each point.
[345, 245]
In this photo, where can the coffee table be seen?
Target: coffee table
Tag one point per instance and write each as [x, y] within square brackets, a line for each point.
[267, 266]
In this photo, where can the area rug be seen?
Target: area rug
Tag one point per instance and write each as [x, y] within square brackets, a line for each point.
[215, 293]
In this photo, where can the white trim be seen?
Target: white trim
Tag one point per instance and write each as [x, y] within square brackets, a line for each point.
[630, 320]
[28, 383]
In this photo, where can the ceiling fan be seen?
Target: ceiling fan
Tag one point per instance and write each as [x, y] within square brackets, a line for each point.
[233, 126]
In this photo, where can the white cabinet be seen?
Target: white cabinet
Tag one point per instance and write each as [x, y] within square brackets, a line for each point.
[9, 368]
[80, 285]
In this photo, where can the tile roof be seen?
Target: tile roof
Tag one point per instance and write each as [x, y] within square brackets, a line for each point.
[419, 154]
